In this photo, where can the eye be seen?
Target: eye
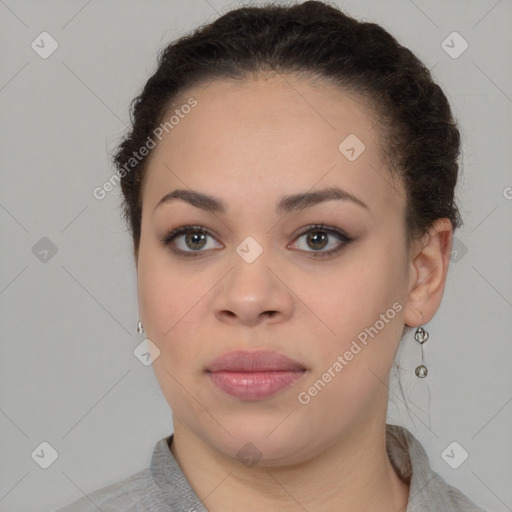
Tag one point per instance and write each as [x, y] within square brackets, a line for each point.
[193, 239]
[317, 237]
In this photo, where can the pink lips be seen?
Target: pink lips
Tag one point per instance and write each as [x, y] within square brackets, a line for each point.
[254, 375]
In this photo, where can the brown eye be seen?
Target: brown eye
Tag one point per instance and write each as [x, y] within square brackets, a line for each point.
[191, 240]
[195, 240]
[319, 237]
[187, 240]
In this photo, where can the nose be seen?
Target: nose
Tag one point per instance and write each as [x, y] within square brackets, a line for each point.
[253, 293]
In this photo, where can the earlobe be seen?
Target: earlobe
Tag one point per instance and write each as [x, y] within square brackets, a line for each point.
[428, 271]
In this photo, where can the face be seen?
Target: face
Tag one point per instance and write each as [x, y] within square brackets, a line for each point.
[320, 279]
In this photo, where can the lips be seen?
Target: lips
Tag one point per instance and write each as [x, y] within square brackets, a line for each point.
[254, 361]
[254, 375]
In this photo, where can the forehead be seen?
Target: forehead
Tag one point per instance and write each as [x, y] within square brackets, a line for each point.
[270, 136]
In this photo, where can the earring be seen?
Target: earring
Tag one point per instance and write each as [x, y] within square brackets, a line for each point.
[140, 328]
[421, 336]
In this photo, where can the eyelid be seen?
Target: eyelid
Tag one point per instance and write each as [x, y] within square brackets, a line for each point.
[170, 236]
[323, 227]
[344, 239]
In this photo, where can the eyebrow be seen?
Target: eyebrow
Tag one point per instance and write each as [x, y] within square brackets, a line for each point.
[286, 204]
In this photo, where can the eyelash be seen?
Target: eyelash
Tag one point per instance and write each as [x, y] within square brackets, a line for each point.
[344, 238]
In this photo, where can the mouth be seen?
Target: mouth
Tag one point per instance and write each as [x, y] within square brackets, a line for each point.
[254, 375]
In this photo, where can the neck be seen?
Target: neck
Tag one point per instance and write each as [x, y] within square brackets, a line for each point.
[353, 474]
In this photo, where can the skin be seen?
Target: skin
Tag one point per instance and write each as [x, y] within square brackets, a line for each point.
[249, 143]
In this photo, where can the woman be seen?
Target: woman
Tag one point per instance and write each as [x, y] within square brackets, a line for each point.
[289, 185]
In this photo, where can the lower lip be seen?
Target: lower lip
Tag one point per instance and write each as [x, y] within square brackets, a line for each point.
[254, 385]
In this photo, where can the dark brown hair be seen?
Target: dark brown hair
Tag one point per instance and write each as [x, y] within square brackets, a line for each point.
[419, 134]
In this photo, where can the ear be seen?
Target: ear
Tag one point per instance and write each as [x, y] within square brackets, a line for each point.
[430, 258]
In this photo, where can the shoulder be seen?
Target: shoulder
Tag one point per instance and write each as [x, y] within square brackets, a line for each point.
[135, 493]
[441, 496]
[161, 487]
[428, 491]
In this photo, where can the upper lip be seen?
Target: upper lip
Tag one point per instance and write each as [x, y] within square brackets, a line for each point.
[254, 361]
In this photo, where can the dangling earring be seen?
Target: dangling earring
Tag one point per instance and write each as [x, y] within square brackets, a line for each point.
[140, 328]
[421, 336]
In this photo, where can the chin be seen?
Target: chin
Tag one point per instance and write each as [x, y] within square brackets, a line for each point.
[261, 441]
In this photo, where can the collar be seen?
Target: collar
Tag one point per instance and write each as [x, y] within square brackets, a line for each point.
[405, 453]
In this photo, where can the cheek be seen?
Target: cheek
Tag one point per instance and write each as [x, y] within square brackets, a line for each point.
[364, 307]
[159, 287]
[363, 287]
[170, 305]
[173, 305]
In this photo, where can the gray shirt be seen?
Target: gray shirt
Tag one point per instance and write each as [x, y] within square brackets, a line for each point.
[164, 487]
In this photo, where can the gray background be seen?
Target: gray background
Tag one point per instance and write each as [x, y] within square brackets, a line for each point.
[68, 373]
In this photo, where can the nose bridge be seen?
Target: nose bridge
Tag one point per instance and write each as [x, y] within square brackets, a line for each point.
[249, 249]
[252, 287]
[251, 274]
